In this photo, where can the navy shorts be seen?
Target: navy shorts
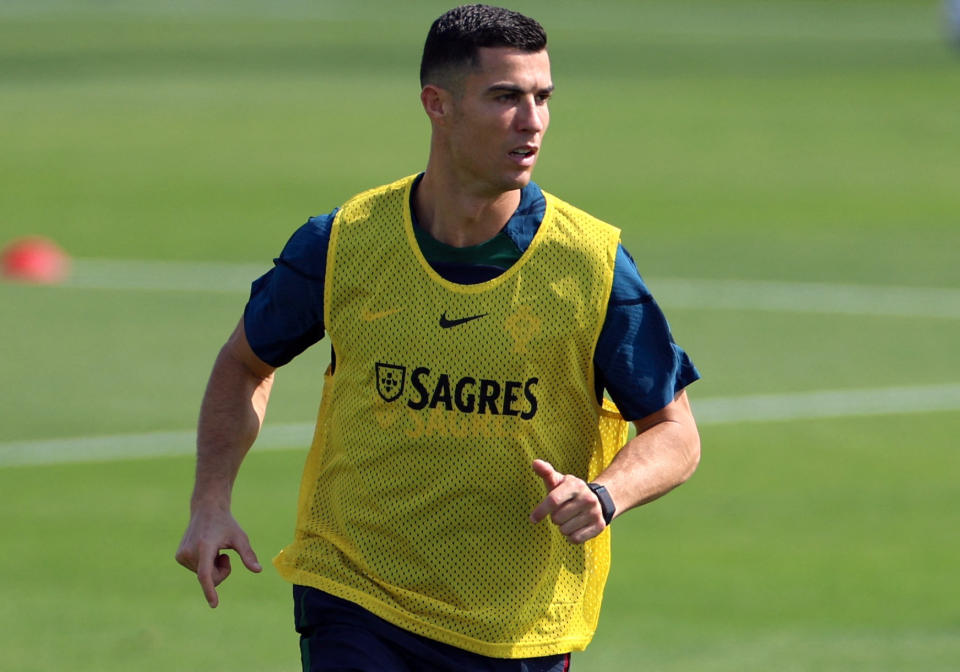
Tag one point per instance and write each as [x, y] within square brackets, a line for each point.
[340, 636]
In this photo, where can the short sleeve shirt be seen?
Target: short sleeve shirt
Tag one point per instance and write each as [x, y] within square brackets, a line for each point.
[636, 360]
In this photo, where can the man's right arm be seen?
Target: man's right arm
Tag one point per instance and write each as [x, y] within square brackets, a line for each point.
[231, 414]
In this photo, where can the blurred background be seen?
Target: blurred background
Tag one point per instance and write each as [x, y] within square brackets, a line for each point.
[786, 174]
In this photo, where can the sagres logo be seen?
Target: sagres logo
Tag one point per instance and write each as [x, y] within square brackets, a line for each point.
[462, 394]
[429, 403]
[390, 380]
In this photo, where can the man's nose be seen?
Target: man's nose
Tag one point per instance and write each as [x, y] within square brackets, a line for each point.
[531, 117]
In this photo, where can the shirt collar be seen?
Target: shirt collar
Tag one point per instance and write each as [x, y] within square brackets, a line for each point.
[523, 223]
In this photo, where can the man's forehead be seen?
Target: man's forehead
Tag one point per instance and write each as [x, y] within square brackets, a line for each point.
[529, 69]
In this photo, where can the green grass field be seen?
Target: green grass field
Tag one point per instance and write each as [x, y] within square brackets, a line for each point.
[738, 144]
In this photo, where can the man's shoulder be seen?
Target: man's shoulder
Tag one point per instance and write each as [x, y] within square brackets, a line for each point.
[306, 250]
[629, 287]
[572, 212]
[395, 188]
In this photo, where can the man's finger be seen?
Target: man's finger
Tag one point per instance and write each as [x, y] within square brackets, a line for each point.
[551, 477]
[585, 534]
[567, 511]
[209, 575]
[186, 559]
[582, 521]
[249, 558]
[221, 569]
[554, 500]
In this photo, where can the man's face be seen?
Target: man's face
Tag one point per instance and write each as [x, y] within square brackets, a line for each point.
[499, 118]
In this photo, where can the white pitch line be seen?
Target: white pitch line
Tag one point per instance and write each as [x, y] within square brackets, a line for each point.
[827, 404]
[706, 294]
[152, 275]
[137, 446]
[720, 410]
[808, 297]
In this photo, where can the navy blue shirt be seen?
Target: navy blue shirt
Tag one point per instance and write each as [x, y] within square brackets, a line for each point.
[636, 360]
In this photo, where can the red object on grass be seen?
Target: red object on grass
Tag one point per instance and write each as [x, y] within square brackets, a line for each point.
[34, 259]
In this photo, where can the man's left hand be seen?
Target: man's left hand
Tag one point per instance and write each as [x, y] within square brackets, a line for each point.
[571, 505]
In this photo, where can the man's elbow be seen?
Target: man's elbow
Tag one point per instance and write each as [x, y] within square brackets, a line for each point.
[691, 451]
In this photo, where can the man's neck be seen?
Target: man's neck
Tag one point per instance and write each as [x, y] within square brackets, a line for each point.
[457, 216]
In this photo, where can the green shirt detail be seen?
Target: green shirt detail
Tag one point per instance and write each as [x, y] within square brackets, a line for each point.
[499, 251]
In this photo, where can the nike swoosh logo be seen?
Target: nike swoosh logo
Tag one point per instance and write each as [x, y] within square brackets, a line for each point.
[368, 315]
[446, 322]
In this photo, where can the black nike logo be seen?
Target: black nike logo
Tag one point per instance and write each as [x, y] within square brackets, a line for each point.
[446, 323]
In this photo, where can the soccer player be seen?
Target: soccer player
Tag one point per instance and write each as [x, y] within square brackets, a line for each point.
[454, 506]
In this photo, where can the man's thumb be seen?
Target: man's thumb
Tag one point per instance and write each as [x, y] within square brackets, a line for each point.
[249, 558]
[551, 477]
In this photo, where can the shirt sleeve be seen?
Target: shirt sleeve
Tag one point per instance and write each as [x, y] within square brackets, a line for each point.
[637, 360]
[284, 315]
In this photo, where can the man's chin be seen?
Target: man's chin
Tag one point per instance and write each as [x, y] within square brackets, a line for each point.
[509, 182]
[520, 180]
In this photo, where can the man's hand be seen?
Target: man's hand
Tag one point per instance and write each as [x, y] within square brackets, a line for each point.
[571, 505]
[211, 531]
[230, 418]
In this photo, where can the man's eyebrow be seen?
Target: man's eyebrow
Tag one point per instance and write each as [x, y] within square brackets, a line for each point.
[513, 88]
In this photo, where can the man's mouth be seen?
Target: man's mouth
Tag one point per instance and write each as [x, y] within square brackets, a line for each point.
[524, 151]
[524, 154]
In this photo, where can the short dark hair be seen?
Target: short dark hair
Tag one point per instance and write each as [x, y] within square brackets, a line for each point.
[456, 36]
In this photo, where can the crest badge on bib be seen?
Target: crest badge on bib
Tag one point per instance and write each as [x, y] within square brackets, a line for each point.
[390, 380]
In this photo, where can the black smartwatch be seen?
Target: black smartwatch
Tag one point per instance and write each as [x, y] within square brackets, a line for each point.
[606, 501]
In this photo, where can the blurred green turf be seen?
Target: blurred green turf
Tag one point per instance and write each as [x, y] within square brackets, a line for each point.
[725, 125]
[748, 140]
[798, 546]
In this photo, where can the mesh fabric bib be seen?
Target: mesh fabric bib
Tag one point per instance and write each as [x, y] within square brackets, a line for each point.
[417, 491]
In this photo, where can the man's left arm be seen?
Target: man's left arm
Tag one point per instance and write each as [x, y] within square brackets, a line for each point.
[664, 453]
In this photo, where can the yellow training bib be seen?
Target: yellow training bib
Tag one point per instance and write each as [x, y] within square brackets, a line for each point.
[417, 492]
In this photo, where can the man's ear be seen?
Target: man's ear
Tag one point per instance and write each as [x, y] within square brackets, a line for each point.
[436, 103]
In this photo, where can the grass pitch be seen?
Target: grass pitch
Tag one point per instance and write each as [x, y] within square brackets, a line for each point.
[790, 141]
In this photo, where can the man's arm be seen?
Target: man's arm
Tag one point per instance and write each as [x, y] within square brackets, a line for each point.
[664, 453]
[231, 414]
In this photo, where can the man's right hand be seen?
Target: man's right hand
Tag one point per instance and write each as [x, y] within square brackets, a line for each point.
[230, 418]
[209, 532]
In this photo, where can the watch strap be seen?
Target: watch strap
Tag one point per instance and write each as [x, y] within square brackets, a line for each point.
[607, 506]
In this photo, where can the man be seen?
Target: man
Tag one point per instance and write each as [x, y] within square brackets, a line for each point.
[465, 466]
